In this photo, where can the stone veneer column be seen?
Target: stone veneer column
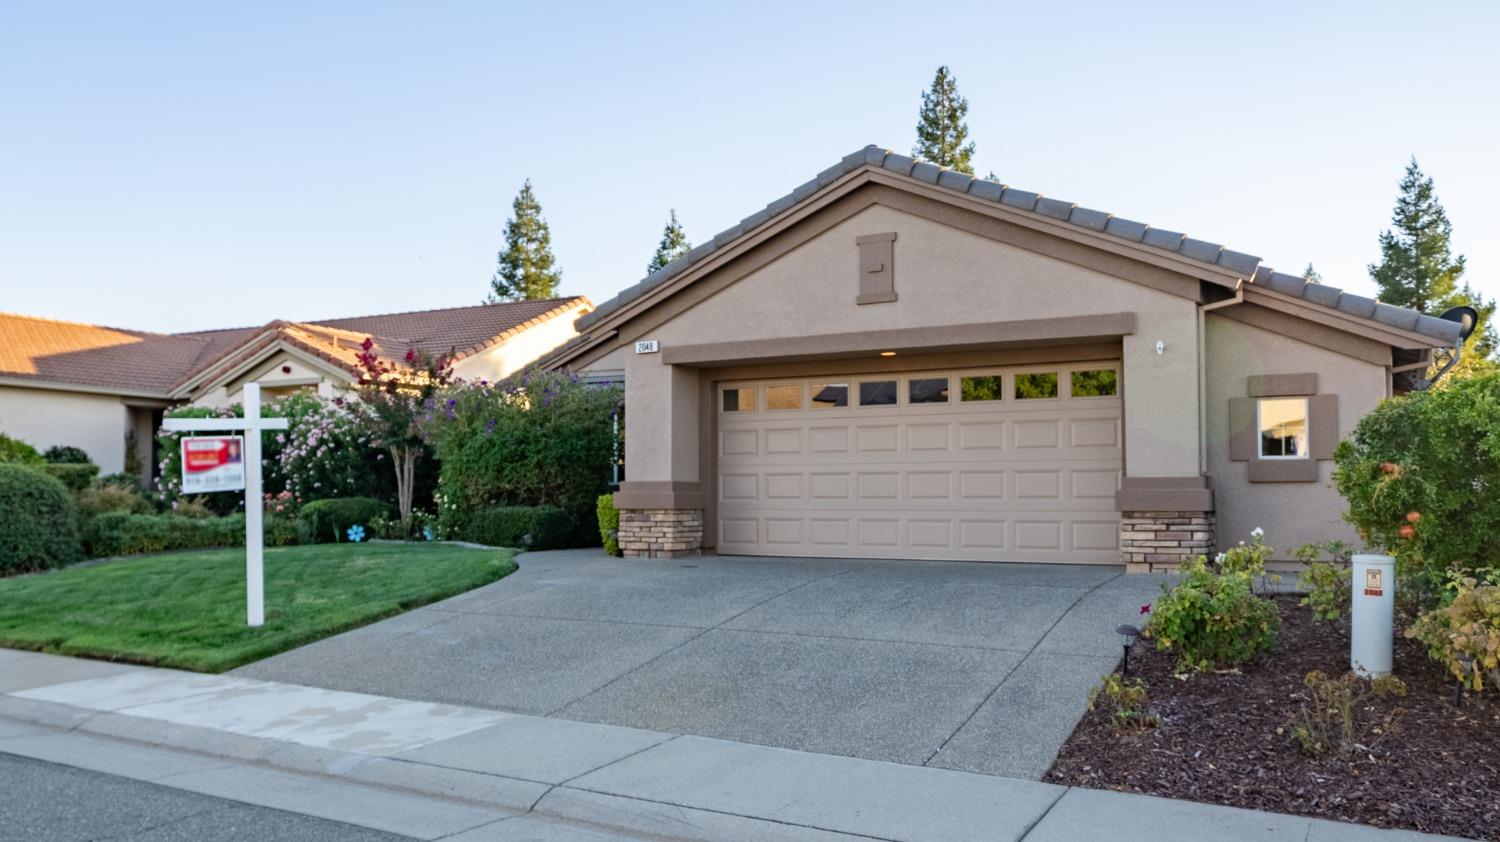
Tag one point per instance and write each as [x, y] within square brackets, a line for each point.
[1161, 541]
[661, 533]
[1164, 521]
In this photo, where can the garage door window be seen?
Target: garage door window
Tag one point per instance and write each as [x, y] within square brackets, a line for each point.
[783, 397]
[1102, 383]
[739, 400]
[927, 390]
[877, 393]
[1041, 384]
[830, 395]
[985, 387]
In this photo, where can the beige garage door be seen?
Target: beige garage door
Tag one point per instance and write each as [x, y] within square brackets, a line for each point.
[996, 464]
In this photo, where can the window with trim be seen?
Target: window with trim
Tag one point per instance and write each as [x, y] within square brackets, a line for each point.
[829, 395]
[739, 400]
[1039, 384]
[1281, 424]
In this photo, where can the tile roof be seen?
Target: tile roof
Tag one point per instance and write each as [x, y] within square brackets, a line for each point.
[118, 360]
[1245, 265]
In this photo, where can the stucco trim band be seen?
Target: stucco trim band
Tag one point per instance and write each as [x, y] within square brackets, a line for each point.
[984, 335]
[1282, 385]
[659, 495]
[1164, 494]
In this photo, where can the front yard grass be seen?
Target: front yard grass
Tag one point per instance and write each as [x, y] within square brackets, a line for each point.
[187, 610]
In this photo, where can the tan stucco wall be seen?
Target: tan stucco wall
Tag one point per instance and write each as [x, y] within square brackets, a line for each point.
[1291, 513]
[520, 351]
[268, 374]
[43, 418]
[944, 276]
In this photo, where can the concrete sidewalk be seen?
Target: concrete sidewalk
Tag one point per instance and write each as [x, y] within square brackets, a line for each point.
[433, 771]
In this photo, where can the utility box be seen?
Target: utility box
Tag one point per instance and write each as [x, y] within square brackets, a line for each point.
[1372, 615]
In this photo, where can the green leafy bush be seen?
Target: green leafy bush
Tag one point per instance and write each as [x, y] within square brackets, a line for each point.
[75, 477]
[329, 520]
[1212, 620]
[123, 479]
[1329, 584]
[524, 527]
[1336, 715]
[326, 452]
[1132, 712]
[609, 524]
[1464, 636]
[543, 439]
[1421, 474]
[62, 454]
[122, 533]
[15, 451]
[38, 522]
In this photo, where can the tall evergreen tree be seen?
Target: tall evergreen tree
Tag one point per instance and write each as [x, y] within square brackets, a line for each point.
[527, 270]
[1418, 269]
[674, 244]
[1312, 275]
[941, 130]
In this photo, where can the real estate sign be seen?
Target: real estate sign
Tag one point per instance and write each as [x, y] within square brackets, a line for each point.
[213, 463]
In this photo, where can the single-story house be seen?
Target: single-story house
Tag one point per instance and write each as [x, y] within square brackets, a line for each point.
[898, 360]
[104, 389]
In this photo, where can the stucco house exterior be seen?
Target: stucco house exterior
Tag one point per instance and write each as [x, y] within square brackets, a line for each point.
[897, 360]
[104, 389]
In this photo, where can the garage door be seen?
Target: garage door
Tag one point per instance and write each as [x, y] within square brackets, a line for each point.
[996, 464]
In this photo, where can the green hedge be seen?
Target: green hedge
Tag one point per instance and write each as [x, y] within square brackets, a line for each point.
[76, 477]
[609, 524]
[328, 520]
[123, 533]
[13, 450]
[63, 454]
[38, 521]
[550, 528]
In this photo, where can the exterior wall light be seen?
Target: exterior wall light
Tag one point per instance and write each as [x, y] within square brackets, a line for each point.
[887, 353]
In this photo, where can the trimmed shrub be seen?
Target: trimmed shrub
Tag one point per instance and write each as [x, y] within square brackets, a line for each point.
[609, 524]
[38, 521]
[100, 499]
[1421, 474]
[123, 479]
[526, 527]
[122, 533]
[76, 477]
[62, 454]
[15, 451]
[327, 520]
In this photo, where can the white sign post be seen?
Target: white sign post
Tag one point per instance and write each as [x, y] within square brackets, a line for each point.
[253, 425]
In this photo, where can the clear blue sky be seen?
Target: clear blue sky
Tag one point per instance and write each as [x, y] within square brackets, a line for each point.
[175, 166]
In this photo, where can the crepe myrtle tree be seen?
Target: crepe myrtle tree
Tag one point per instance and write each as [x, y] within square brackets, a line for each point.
[394, 397]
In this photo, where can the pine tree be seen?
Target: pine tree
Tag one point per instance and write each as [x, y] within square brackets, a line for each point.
[941, 130]
[527, 270]
[1312, 275]
[674, 244]
[1418, 269]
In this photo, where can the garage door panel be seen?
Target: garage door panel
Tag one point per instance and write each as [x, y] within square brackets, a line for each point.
[1006, 479]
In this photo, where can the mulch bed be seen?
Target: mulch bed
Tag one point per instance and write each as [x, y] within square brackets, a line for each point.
[1436, 769]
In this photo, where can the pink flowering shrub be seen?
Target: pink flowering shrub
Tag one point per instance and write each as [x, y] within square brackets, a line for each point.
[327, 453]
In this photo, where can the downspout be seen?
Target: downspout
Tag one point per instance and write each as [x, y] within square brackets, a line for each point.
[1239, 298]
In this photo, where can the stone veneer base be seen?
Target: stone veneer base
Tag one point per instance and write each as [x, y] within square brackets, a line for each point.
[1161, 541]
[660, 533]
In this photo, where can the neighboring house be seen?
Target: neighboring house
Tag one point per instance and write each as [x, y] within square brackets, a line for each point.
[105, 389]
[901, 361]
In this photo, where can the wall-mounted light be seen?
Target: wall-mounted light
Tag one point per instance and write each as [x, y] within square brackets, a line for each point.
[887, 353]
[1161, 347]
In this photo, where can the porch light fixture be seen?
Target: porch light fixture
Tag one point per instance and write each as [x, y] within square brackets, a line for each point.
[887, 353]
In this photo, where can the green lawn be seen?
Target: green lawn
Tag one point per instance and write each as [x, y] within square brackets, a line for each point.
[187, 610]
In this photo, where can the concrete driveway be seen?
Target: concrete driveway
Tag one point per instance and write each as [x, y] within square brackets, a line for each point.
[977, 667]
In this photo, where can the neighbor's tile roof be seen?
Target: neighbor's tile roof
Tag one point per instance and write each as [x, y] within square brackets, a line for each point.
[1245, 265]
[48, 350]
